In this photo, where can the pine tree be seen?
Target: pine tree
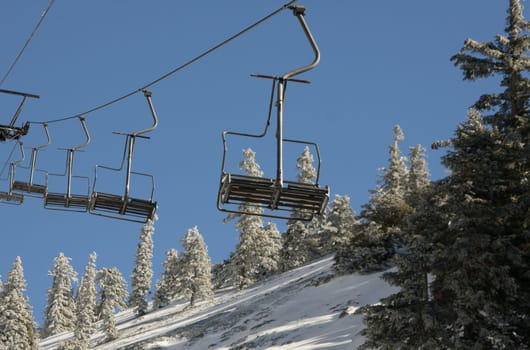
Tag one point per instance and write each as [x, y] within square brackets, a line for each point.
[485, 249]
[388, 206]
[17, 328]
[112, 297]
[339, 226]
[418, 176]
[86, 304]
[410, 318]
[143, 270]
[196, 275]
[60, 313]
[253, 254]
[295, 249]
[169, 285]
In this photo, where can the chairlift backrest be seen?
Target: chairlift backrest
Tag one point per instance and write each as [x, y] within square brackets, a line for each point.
[68, 201]
[123, 206]
[9, 196]
[29, 187]
[300, 200]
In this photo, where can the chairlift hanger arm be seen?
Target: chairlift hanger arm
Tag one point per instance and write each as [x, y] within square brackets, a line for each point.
[18, 93]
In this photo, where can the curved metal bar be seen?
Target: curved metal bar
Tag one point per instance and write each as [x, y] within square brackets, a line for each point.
[87, 135]
[147, 95]
[314, 144]
[299, 12]
[267, 124]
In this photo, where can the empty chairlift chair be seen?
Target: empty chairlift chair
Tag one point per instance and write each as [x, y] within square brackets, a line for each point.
[10, 131]
[30, 187]
[290, 199]
[11, 197]
[68, 201]
[124, 206]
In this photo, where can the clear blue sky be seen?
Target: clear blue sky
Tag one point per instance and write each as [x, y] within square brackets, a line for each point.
[383, 63]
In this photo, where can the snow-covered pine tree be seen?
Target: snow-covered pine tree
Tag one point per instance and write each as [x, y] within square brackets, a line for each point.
[143, 270]
[387, 205]
[295, 240]
[252, 253]
[17, 328]
[196, 268]
[112, 297]
[270, 256]
[409, 319]
[418, 175]
[60, 315]
[484, 285]
[169, 285]
[86, 304]
[340, 224]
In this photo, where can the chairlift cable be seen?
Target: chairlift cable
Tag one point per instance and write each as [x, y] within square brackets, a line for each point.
[176, 69]
[27, 41]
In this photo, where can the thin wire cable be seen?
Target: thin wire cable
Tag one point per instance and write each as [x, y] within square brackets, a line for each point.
[27, 41]
[175, 70]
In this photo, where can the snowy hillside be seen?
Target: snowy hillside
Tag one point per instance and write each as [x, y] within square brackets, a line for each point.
[300, 309]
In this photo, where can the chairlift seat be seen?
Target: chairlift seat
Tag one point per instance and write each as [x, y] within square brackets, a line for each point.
[12, 198]
[61, 201]
[22, 186]
[264, 192]
[117, 204]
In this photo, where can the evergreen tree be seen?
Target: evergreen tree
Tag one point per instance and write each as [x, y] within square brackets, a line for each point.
[489, 196]
[112, 297]
[17, 328]
[294, 252]
[169, 285]
[410, 318]
[60, 313]
[86, 304]
[340, 224]
[295, 249]
[253, 254]
[418, 176]
[196, 275]
[388, 206]
[143, 270]
[271, 244]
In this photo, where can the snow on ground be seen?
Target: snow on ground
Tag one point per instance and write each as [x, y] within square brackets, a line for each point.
[301, 309]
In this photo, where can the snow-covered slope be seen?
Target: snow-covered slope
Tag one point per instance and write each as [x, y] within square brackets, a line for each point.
[300, 309]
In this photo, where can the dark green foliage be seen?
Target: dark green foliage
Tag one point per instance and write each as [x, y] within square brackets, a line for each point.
[367, 251]
[470, 236]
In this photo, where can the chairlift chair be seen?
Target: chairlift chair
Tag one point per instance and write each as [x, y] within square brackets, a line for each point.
[294, 200]
[68, 201]
[10, 131]
[11, 197]
[30, 187]
[124, 206]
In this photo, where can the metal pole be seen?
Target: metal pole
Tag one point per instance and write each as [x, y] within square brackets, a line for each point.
[69, 185]
[279, 134]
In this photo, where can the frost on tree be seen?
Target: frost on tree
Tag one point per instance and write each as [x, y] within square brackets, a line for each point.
[169, 285]
[86, 304]
[296, 240]
[143, 271]
[112, 297]
[257, 251]
[196, 268]
[387, 205]
[60, 313]
[17, 328]
[476, 240]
